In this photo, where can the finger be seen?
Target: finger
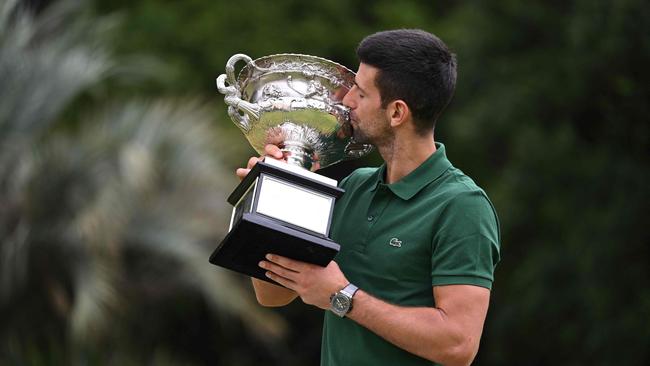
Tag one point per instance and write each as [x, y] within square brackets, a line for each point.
[242, 172]
[273, 151]
[279, 270]
[281, 280]
[285, 262]
[252, 161]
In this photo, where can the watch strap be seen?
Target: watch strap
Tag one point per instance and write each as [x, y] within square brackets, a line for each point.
[350, 290]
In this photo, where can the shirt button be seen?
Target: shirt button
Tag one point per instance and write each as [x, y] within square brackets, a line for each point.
[370, 218]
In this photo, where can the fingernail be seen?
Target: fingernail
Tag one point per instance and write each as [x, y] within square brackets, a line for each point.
[269, 257]
[262, 264]
[268, 274]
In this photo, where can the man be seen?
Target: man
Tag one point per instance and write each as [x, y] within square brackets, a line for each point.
[418, 238]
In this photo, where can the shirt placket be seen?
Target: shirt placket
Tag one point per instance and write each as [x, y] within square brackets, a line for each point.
[376, 208]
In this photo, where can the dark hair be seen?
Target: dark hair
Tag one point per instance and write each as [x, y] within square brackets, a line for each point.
[414, 66]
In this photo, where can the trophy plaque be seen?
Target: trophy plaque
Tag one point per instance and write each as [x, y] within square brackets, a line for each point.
[292, 101]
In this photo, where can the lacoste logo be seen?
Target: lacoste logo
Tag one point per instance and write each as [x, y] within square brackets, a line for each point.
[395, 242]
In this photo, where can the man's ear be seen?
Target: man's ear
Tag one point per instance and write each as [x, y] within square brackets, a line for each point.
[398, 112]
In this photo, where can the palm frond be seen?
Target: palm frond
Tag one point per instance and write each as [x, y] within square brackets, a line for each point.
[130, 202]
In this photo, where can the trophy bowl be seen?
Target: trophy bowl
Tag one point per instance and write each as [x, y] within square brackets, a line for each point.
[293, 101]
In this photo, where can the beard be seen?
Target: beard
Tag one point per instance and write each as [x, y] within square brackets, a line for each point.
[376, 135]
[360, 136]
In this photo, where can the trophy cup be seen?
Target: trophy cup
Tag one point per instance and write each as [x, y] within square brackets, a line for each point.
[292, 101]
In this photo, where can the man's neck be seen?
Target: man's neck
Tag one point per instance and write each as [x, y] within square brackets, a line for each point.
[402, 156]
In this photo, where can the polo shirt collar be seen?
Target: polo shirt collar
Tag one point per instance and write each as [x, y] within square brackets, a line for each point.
[430, 170]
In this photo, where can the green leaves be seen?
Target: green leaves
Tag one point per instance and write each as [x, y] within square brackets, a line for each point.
[118, 213]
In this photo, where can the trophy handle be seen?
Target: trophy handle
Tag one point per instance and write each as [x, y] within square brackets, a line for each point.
[238, 109]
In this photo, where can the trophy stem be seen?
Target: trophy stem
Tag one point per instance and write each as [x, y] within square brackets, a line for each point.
[296, 153]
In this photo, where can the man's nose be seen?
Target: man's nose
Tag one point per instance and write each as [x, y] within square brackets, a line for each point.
[348, 100]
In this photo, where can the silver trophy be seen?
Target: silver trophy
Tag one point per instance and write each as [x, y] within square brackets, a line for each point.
[292, 101]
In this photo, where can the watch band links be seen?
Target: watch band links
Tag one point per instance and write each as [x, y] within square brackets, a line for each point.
[350, 290]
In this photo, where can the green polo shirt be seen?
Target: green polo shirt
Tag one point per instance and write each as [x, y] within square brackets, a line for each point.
[434, 227]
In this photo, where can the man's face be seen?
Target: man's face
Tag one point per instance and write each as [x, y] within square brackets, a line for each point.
[369, 121]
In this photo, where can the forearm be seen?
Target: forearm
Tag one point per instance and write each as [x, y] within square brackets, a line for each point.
[423, 331]
[448, 334]
[269, 294]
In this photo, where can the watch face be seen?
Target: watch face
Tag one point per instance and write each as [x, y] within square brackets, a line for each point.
[340, 304]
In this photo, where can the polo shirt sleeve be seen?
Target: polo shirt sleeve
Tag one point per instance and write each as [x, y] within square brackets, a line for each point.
[465, 248]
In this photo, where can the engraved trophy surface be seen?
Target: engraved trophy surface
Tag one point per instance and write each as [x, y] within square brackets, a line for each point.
[292, 101]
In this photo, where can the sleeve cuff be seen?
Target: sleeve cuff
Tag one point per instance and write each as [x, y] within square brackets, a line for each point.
[461, 280]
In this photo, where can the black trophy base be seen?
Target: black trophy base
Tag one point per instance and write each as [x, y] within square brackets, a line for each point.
[254, 236]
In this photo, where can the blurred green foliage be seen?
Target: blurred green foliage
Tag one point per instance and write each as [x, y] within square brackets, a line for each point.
[105, 227]
[550, 117]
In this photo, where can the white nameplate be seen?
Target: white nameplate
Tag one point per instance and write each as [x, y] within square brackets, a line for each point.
[294, 204]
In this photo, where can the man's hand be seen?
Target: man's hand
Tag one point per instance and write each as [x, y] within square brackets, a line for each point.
[274, 152]
[270, 150]
[314, 284]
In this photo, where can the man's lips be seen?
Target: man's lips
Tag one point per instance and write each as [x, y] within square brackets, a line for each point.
[351, 126]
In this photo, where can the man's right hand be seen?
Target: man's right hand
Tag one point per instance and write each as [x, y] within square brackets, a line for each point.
[270, 150]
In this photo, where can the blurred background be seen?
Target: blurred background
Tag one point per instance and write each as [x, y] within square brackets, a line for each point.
[117, 155]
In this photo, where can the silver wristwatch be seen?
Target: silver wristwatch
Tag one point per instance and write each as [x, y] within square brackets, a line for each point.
[341, 302]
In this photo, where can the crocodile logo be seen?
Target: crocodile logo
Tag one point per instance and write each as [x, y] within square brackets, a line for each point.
[395, 243]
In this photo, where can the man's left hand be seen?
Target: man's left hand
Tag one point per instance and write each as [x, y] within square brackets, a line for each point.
[314, 284]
